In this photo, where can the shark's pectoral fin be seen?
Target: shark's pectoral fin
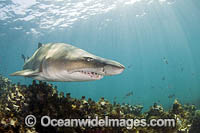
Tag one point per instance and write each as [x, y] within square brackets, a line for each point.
[26, 73]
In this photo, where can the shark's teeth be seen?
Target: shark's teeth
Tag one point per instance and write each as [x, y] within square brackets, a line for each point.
[91, 74]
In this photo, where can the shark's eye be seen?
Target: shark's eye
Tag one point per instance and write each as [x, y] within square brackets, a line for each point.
[88, 59]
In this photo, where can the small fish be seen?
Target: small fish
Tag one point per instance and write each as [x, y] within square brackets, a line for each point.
[165, 60]
[182, 69]
[163, 78]
[129, 66]
[128, 94]
[169, 86]
[171, 96]
[193, 74]
[115, 98]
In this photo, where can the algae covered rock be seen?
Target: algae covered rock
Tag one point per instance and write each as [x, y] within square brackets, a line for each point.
[177, 107]
[40, 98]
[155, 110]
[195, 128]
[4, 82]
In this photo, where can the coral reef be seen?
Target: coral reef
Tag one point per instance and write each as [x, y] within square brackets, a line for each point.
[40, 99]
[195, 128]
[4, 82]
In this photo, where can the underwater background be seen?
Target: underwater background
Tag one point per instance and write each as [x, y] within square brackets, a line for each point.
[157, 40]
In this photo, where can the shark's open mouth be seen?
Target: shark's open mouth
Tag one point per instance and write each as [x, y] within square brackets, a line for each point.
[91, 74]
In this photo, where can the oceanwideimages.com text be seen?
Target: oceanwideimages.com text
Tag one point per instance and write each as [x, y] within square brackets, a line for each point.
[46, 121]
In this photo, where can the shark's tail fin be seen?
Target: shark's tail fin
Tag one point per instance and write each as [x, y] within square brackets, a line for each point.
[25, 73]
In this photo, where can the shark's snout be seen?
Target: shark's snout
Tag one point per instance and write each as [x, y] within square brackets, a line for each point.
[113, 68]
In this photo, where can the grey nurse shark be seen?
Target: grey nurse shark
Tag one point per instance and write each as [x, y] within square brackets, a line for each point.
[64, 62]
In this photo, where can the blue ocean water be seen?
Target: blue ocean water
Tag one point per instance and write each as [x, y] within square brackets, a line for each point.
[157, 40]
